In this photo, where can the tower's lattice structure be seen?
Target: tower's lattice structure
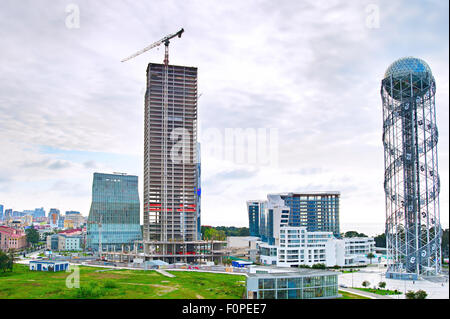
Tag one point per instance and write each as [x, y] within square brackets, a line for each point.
[411, 182]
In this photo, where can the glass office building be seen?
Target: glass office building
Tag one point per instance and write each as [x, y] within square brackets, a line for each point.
[254, 208]
[115, 205]
[39, 212]
[304, 284]
[317, 211]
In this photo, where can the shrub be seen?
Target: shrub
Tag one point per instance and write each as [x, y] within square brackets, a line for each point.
[110, 284]
[90, 292]
[365, 283]
[421, 294]
[410, 295]
[319, 266]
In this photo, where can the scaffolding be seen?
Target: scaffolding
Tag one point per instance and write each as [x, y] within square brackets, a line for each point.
[411, 181]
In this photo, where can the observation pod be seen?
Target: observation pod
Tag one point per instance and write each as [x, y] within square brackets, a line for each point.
[411, 180]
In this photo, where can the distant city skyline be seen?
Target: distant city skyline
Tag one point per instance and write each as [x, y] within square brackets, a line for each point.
[310, 70]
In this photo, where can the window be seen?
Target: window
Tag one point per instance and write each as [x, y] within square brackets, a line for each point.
[281, 283]
[269, 283]
[281, 294]
[268, 294]
[294, 283]
[308, 293]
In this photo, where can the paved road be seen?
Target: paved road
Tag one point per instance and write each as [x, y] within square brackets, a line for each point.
[364, 293]
[436, 288]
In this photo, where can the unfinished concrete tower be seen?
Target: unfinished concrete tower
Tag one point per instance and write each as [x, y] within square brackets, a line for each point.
[170, 168]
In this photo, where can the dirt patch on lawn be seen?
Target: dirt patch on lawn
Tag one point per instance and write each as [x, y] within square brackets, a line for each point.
[105, 275]
[162, 289]
[199, 296]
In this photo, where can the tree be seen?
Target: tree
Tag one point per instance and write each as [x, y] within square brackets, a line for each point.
[210, 233]
[370, 256]
[382, 284]
[6, 261]
[319, 266]
[227, 231]
[421, 294]
[11, 259]
[410, 295]
[352, 233]
[380, 240]
[366, 283]
[32, 235]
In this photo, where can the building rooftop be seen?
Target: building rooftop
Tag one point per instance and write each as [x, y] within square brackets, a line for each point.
[49, 262]
[299, 272]
[310, 193]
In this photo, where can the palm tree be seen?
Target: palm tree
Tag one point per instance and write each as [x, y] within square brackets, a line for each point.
[370, 256]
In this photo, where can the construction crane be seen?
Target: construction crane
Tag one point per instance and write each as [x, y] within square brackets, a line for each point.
[166, 41]
[99, 227]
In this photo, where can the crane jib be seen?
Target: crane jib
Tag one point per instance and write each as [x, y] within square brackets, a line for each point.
[155, 44]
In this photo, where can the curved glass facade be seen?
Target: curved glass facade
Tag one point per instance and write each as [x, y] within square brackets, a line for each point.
[115, 204]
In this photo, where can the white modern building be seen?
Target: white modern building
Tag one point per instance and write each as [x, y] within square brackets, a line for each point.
[298, 247]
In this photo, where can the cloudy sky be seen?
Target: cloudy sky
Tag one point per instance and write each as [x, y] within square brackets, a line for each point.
[309, 70]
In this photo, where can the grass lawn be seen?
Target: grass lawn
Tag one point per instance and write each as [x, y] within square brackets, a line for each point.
[348, 295]
[23, 283]
[383, 292]
[348, 271]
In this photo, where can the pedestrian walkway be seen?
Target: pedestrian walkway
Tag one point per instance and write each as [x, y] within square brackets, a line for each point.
[164, 273]
[364, 293]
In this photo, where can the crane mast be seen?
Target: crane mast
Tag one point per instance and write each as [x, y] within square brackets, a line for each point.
[164, 153]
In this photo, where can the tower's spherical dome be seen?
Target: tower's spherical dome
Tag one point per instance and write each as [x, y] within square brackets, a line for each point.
[408, 77]
[404, 67]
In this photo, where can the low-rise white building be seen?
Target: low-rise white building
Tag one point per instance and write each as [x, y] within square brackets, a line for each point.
[241, 241]
[298, 247]
[69, 243]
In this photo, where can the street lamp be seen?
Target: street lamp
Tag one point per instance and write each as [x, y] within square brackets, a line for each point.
[352, 276]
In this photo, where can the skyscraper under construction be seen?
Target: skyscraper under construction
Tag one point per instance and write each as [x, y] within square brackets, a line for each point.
[171, 230]
[170, 155]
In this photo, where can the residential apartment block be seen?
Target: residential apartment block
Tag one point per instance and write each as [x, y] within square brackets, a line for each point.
[317, 211]
[12, 239]
[297, 246]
